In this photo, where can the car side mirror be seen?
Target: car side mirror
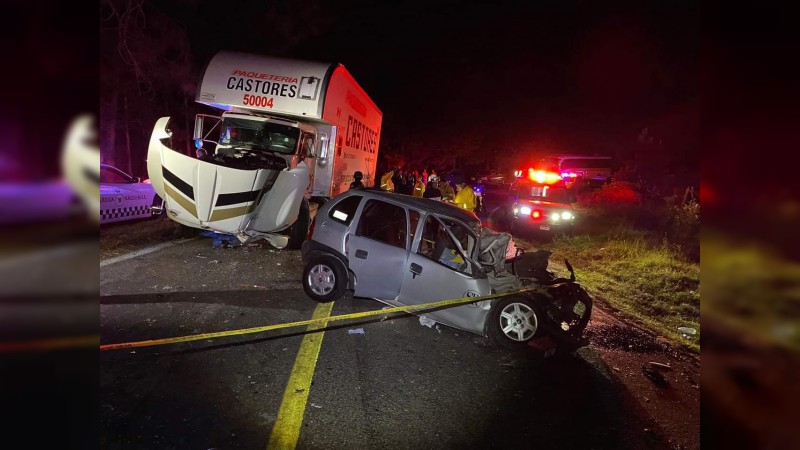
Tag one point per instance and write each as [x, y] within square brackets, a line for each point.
[198, 128]
[137, 179]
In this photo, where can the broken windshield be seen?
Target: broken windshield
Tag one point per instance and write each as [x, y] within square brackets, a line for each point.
[259, 135]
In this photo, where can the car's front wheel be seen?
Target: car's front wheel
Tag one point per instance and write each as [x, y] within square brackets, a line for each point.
[513, 322]
[324, 278]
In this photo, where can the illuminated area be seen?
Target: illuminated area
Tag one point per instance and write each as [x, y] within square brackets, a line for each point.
[543, 176]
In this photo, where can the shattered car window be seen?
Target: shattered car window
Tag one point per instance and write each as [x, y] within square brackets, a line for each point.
[437, 245]
[344, 211]
[383, 222]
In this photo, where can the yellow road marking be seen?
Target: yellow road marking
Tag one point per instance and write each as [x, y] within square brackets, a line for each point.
[280, 326]
[286, 430]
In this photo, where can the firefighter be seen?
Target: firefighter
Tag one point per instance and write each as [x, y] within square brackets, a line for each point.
[357, 176]
[419, 187]
[448, 195]
[432, 189]
[386, 181]
[465, 196]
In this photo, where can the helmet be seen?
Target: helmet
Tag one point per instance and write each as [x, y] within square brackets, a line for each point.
[358, 175]
[433, 179]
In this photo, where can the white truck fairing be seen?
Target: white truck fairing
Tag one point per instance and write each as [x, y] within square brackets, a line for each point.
[289, 130]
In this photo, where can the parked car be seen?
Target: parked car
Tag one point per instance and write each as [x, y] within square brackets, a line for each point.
[488, 177]
[403, 250]
[542, 202]
[123, 197]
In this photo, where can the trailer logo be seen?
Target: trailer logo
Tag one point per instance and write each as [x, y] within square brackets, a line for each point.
[263, 83]
[360, 136]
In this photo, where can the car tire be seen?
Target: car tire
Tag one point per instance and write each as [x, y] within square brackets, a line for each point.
[513, 322]
[324, 278]
[299, 230]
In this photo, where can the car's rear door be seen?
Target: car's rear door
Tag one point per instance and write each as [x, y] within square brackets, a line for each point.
[377, 251]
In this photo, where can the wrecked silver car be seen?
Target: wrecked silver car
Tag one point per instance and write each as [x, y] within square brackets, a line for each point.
[403, 250]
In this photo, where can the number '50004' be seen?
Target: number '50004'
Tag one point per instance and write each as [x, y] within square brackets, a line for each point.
[257, 100]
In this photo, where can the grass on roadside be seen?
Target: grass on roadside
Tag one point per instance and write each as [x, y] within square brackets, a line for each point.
[644, 279]
[752, 289]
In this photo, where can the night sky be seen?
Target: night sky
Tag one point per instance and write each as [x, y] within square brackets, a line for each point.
[560, 76]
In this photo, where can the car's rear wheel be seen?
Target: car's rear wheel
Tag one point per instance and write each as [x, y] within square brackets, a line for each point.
[513, 322]
[324, 278]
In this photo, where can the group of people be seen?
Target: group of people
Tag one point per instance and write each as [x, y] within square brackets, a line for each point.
[428, 185]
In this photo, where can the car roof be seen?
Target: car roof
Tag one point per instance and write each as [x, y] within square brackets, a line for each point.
[425, 204]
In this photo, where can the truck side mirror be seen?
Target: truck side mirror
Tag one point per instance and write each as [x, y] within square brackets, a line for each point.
[322, 155]
[198, 128]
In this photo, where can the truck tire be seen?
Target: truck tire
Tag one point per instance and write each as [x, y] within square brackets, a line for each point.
[325, 278]
[299, 230]
[513, 322]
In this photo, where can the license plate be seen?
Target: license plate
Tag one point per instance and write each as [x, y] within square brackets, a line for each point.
[544, 227]
[579, 309]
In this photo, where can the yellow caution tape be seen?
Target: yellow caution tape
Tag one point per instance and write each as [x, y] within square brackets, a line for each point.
[359, 315]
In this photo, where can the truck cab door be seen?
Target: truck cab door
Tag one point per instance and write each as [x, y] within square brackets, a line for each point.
[377, 251]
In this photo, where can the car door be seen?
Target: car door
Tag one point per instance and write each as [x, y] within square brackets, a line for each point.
[377, 251]
[438, 270]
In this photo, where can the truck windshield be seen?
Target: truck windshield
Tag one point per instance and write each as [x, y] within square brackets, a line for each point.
[259, 135]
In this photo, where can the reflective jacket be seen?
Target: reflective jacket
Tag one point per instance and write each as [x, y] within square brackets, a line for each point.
[447, 191]
[465, 199]
[386, 181]
[419, 188]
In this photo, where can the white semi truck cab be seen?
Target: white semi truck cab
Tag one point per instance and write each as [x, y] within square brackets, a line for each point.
[290, 132]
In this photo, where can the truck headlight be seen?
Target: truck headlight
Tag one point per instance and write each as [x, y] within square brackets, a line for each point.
[555, 217]
[566, 215]
[525, 210]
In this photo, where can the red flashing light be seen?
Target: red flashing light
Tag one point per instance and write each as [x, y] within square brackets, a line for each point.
[536, 214]
[543, 177]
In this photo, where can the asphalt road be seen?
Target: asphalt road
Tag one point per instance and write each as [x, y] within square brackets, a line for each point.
[397, 385]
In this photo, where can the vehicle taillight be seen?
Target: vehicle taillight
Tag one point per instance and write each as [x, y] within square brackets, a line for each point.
[536, 214]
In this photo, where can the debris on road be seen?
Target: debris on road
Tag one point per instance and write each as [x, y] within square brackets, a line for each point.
[316, 406]
[214, 261]
[355, 331]
[222, 240]
[659, 366]
[687, 331]
[655, 373]
[427, 321]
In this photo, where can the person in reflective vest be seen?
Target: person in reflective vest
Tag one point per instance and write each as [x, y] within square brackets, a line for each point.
[448, 194]
[386, 181]
[419, 188]
[465, 196]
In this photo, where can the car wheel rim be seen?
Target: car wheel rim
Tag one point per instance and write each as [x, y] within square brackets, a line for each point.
[321, 279]
[518, 322]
